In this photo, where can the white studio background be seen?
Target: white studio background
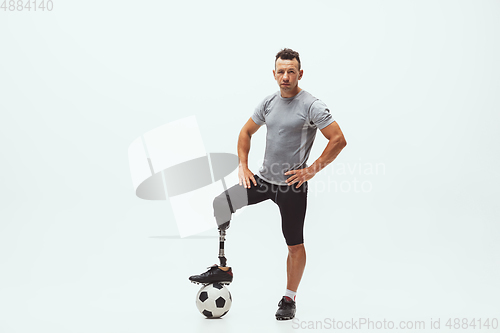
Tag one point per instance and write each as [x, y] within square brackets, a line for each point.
[402, 226]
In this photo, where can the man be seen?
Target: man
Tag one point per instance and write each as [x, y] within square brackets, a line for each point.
[292, 117]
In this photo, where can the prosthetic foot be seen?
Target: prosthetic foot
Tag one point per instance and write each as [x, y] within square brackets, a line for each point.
[215, 273]
[222, 275]
[222, 237]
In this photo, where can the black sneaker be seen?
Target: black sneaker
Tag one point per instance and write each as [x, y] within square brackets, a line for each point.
[214, 274]
[286, 309]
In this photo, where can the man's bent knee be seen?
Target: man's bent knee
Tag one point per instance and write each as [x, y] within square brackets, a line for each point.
[295, 249]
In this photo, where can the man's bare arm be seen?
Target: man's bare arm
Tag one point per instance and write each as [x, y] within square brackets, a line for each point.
[244, 174]
[336, 142]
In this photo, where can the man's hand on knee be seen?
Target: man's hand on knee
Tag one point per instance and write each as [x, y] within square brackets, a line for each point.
[246, 177]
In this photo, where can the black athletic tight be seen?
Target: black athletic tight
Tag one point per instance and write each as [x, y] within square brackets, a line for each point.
[291, 201]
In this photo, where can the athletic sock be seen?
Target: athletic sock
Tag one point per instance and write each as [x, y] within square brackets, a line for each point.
[290, 294]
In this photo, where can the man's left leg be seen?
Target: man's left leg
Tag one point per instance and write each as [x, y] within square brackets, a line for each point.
[295, 264]
[292, 203]
[225, 204]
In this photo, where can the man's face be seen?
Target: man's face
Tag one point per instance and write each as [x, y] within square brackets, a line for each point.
[287, 74]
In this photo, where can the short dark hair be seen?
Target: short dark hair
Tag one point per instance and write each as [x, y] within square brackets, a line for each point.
[287, 54]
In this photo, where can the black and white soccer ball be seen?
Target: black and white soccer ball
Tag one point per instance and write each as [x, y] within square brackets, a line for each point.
[214, 300]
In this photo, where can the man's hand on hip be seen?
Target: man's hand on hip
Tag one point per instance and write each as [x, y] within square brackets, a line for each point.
[299, 176]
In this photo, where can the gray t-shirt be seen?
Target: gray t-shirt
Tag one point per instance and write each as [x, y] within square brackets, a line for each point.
[291, 129]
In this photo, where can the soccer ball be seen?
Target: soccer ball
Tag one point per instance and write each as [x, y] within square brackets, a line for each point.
[214, 300]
